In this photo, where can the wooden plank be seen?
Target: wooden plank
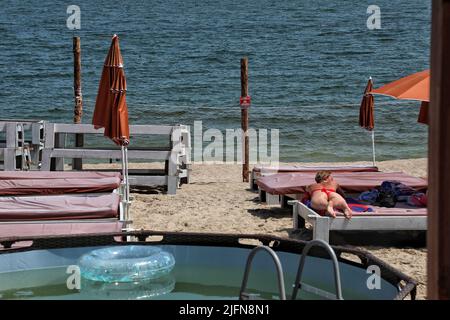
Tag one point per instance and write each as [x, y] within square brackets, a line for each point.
[134, 129]
[438, 237]
[49, 135]
[148, 181]
[9, 159]
[11, 135]
[108, 154]
[379, 223]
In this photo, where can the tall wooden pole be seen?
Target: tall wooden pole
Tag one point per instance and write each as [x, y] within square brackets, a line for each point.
[438, 236]
[78, 110]
[245, 105]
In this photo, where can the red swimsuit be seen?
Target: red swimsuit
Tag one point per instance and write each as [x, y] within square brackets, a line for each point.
[325, 190]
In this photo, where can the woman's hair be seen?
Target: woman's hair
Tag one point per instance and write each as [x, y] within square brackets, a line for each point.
[322, 175]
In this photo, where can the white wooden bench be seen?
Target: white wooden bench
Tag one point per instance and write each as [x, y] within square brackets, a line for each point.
[176, 157]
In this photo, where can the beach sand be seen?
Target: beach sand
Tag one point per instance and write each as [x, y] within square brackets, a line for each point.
[217, 201]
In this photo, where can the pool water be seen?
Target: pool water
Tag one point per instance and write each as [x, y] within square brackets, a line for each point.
[200, 272]
[162, 288]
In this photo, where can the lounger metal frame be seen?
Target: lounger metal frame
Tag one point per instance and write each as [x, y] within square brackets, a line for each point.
[323, 225]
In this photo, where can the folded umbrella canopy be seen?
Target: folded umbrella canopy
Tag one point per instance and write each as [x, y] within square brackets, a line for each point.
[111, 110]
[366, 114]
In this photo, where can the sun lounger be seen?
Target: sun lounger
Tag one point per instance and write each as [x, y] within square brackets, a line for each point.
[274, 189]
[60, 207]
[381, 219]
[261, 171]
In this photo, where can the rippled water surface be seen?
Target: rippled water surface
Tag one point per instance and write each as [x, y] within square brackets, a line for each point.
[309, 63]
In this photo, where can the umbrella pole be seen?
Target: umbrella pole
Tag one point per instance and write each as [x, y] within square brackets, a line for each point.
[124, 185]
[127, 185]
[373, 147]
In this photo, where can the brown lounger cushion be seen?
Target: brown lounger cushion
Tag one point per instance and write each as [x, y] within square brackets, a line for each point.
[295, 183]
[314, 169]
[60, 207]
[58, 185]
[63, 228]
[34, 175]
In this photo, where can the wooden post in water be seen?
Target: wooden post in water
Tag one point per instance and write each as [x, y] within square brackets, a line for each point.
[244, 101]
[438, 234]
[78, 110]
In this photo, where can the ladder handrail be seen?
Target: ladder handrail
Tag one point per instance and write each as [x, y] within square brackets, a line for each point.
[330, 251]
[278, 266]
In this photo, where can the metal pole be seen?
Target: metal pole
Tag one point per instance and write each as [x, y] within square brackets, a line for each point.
[77, 164]
[373, 147]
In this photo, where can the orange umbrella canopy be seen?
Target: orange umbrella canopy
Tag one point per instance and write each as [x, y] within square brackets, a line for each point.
[111, 110]
[366, 117]
[413, 87]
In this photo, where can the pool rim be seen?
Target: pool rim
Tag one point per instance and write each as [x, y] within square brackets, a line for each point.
[404, 283]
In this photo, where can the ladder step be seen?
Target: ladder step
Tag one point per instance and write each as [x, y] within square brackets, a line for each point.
[319, 292]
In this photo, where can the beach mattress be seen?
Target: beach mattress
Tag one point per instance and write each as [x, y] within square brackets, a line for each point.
[295, 183]
[59, 207]
[34, 175]
[53, 229]
[58, 185]
[264, 169]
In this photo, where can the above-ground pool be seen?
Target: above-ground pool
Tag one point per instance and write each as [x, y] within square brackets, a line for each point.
[207, 266]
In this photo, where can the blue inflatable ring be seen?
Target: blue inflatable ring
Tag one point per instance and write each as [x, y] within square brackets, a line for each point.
[126, 264]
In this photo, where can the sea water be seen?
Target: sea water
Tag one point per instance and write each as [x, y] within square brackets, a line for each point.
[309, 62]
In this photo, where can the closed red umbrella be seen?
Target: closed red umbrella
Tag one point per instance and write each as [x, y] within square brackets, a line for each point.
[366, 114]
[366, 117]
[111, 110]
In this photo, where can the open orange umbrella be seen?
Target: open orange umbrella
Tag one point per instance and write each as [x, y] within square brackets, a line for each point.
[111, 111]
[413, 87]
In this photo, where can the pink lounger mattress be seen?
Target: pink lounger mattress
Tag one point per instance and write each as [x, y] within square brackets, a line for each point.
[58, 185]
[295, 183]
[59, 207]
[53, 229]
[34, 175]
[315, 169]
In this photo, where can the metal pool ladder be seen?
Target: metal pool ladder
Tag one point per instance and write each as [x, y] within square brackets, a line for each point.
[298, 285]
[248, 296]
[311, 289]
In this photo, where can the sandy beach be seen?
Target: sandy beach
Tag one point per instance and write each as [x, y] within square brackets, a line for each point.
[217, 201]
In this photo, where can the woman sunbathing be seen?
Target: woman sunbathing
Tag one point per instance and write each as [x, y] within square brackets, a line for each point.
[326, 195]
